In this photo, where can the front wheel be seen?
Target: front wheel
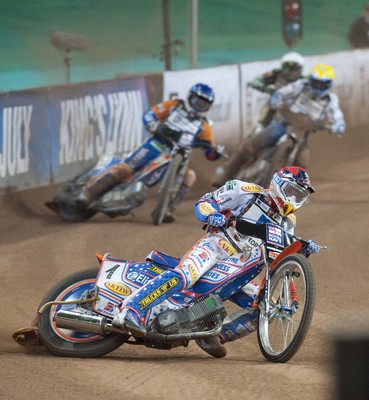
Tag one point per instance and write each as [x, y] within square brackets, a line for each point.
[282, 331]
[167, 190]
[65, 342]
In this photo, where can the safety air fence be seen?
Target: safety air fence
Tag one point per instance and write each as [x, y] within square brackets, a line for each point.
[50, 134]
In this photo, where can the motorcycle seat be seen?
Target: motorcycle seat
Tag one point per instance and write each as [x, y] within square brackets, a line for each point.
[158, 257]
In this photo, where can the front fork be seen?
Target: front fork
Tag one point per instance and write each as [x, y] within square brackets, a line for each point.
[289, 290]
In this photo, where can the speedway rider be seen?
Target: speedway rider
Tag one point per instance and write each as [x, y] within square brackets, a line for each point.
[289, 189]
[199, 100]
[310, 98]
[290, 70]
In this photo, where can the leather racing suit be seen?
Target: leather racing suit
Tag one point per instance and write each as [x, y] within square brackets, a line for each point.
[236, 199]
[296, 98]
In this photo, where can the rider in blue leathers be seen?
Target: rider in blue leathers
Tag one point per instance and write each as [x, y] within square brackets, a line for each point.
[199, 100]
[289, 189]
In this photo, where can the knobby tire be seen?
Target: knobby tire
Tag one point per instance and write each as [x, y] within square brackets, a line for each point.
[59, 342]
[165, 194]
[281, 336]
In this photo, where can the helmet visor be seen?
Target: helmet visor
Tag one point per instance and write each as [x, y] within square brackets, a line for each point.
[295, 193]
[320, 86]
[199, 104]
[291, 70]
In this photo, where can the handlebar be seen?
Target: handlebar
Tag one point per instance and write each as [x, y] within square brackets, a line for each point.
[171, 136]
[260, 231]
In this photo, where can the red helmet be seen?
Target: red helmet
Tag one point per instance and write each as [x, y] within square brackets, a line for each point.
[290, 188]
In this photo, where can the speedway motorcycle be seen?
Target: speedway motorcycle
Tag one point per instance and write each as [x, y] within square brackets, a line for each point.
[168, 168]
[288, 150]
[74, 319]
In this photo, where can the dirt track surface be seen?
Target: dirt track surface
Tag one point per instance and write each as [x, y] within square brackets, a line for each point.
[37, 250]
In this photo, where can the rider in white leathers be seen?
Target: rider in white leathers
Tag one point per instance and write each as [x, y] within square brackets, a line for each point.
[308, 100]
[289, 190]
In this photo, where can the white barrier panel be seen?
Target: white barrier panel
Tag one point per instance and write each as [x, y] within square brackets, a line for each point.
[225, 112]
[351, 84]
[237, 106]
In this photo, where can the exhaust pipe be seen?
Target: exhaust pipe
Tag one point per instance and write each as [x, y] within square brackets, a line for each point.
[98, 325]
[84, 323]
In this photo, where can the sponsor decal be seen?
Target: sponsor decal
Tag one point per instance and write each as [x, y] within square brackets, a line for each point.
[252, 242]
[193, 273]
[137, 277]
[230, 250]
[275, 235]
[223, 267]
[109, 307]
[15, 140]
[262, 205]
[118, 288]
[206, 208]
[162, 289]
[230, 185]
[212, 275]
[252, 188]
[225, 201]
[156, 269]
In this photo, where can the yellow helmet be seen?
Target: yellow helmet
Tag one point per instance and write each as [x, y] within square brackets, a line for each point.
[321, 78]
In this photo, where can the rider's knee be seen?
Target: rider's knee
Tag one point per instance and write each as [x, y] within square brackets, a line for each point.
[190, 177]
[122, 172]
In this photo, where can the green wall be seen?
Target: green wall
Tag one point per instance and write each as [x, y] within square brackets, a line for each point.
[125, 36]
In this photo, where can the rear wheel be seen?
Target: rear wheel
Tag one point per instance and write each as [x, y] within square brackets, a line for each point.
[65, 342]
[70, 213]
[292, 292]
[65, 204]
[168, 190]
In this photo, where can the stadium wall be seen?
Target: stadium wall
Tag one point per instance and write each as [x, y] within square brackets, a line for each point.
[49, 134]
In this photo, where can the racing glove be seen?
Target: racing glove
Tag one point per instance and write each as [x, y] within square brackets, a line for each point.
[276, 101]
[150, 121]
[311, 248]
[338, 128]
[216, 219]
[215, 154]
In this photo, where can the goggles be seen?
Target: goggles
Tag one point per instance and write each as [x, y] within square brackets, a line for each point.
[294, 192]
[199, 103]
[321, 86]
[291, 65]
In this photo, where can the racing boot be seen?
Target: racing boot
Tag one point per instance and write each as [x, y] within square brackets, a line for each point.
[94, 188]
[135, 310]
[239, 324]
[212, 346]
[101, 184]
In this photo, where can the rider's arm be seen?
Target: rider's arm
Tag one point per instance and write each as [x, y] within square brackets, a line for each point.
[207, 135]
[205, 206]
[158, 113]
[335, 116]
[228, 197]
[286, 95]
[266, 82]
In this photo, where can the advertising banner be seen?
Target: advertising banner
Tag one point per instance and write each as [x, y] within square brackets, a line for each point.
[48, 135]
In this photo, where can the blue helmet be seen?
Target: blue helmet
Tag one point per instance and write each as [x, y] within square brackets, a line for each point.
[200, 97]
